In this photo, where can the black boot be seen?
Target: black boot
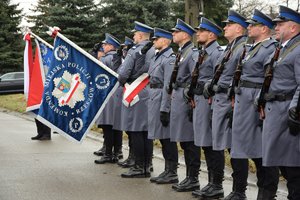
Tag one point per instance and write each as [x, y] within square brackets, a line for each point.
[215, 191]
[155, 178]
[138, 171]
[189, 184]
[37, 137]
[264, 194]
[198, 193]
[106, 159]
[171, 174]
[238, 192]
[236, 196]
[192, 182]
[101, 151]
[129, 162]
[118, 153]
[45, 137]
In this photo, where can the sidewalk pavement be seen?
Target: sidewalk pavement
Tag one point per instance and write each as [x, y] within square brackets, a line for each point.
[158, 164]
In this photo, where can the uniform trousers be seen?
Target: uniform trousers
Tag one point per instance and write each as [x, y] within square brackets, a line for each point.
[142, 147]
[267, 177]
[169, 150]
[192, 158]
[42, 129]
[215, 161]
[292, 175]
[113, 139]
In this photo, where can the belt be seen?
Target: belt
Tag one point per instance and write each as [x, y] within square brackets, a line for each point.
[179, 85]
[249, 84]
[221, 89]
[278, 97]
[199, 89]
[156, 85]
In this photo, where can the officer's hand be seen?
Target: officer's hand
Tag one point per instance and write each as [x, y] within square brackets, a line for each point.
[229, 116]
[120, 52]
[293, 121]
[164, 118]
[145, 49]
[207, 91]
[186, 94]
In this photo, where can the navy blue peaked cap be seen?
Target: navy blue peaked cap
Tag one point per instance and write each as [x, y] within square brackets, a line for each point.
[182, 26]
[287, 14]
[158, 32]
[110, 39]
[138, 26]
[210, 26]
[235, 17]
[128, 41]
[260, 18]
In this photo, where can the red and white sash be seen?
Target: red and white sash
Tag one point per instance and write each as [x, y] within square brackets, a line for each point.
[130, 95]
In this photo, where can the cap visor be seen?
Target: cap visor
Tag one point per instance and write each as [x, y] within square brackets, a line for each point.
[250, 21]
[277, 19]
[174, 29]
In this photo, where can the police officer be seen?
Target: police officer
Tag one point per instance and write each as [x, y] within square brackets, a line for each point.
[246, 129]
[134, 117]
[222, 111]
[129, 161]
[128, 43]
[113, 137]
[280, 141]
[159, 106]
[207, 35]
[181, 125]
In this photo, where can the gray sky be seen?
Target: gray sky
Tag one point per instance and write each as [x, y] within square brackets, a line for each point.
[27, 4]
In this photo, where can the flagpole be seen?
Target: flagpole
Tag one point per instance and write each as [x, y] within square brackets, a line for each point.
[43, 41]
[56, 33]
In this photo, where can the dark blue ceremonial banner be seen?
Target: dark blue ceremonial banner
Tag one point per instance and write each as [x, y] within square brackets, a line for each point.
[76, 89]
[46, 55]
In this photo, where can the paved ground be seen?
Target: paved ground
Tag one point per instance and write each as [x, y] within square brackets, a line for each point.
[60, 169]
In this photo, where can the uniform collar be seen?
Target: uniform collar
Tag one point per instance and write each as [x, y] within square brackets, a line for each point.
[211, 47]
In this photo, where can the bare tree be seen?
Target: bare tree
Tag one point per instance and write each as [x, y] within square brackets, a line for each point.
[246, 7]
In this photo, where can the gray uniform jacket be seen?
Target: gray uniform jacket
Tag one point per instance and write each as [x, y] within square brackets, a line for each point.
[246, 129]
[160, 71]
[202, 112]
[135, 118]
[280, 148]
[221, 131]
[107, 115]
[180, 126]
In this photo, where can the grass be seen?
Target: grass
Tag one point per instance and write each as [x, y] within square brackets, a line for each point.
[13, 102]
[16, 102]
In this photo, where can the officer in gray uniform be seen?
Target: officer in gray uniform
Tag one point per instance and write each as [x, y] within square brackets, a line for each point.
[222, 111]
[129, 161]
[134, 117]
[113, 137]
[280, 140]
[207, 35]
[181, 125]
[159, 106]
[246, 129]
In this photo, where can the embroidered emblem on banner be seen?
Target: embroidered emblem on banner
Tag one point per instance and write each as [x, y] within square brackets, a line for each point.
[76, 124]
[69, 89]
[61, 53]
[102, 81]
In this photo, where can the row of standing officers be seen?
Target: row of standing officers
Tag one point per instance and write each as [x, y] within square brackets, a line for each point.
[209, 98]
